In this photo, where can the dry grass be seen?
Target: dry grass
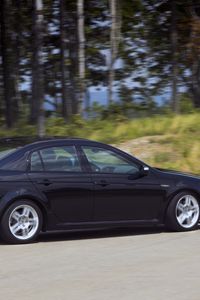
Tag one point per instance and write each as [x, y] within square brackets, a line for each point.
[164, 141]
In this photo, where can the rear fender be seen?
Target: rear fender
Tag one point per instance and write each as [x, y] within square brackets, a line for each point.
[22, 193]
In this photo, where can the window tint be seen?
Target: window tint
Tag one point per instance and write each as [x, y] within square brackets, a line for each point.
[16, 163]
[36, 164]
[4, 153]
[62, 158]
[106, 161]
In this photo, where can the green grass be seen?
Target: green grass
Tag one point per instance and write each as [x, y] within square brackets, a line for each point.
[177, 148]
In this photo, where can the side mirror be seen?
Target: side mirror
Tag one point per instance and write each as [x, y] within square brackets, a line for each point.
[144, 170]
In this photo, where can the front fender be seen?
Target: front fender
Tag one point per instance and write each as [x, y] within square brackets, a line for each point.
[178, 189]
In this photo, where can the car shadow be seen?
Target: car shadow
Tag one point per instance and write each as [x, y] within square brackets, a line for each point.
[70, 235]
[60, 236]
[96, 234]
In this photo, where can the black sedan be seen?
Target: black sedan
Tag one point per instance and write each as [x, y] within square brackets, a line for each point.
[80, 184]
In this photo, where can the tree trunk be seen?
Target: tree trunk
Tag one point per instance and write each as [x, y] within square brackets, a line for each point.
[8, 65]
[174, 43]
[195, 83]
[66, 101]
[87, 103]
[114, 43]
[194, 87]
[37, 103]
[81, 54]
[16, 45]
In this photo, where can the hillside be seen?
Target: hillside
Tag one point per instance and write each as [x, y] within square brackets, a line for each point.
[164, 141]
[174, 143]
[164, 151]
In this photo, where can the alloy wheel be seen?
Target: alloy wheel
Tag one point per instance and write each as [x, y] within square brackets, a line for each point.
[23, 222]
[187, 211]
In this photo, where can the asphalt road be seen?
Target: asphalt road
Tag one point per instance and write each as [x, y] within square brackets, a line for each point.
[142, 264]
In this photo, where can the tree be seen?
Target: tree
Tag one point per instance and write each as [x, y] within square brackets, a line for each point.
[194, 53]
[114, 43]
[64, 51]
[10, 65]
[138, 49]
[81, 54]
[173, 37]
[37, 109]
[174, 62]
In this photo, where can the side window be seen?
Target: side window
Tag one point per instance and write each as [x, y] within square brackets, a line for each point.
[63, 158]
[105, 161]
[17, 163]
[36, 164]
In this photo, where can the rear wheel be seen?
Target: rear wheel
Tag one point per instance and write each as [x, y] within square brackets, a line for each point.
[21, 222]
[183, 212]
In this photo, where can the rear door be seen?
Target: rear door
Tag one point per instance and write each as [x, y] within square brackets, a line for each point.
[57, 173]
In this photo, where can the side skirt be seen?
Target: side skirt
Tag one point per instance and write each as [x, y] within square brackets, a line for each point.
[105, 224]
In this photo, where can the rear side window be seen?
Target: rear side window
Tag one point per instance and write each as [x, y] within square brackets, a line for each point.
[56, 159]
[14, 163]
[36, 163]
[4, 153]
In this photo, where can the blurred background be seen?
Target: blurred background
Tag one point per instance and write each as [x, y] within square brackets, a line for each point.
[119, 71]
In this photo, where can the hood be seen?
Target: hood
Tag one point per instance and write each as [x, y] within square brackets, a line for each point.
[167, 171]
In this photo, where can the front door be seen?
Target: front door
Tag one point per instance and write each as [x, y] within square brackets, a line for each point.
[121, 193]
[57, 174]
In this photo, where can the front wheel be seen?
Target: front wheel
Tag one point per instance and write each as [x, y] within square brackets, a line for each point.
[183, 212]
[21, 222]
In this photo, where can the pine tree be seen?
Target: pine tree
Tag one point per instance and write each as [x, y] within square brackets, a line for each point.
[37, 71]
[81, 54]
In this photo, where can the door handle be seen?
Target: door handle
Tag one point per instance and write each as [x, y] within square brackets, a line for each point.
[101, 183]
[44, 182]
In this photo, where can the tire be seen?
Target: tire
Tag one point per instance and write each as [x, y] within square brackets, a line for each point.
[183, 212]
[21, 222]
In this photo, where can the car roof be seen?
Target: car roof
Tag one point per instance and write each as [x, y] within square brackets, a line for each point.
[23, 147]
[25, 140]
[23, 144]
[59, 141]
[54, 141]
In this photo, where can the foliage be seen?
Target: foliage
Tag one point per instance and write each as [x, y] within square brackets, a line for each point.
[143, 66]
[186, 105]
[175, 140]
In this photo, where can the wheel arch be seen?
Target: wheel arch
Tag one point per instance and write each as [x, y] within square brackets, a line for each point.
[173, 194]
[35, 200]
